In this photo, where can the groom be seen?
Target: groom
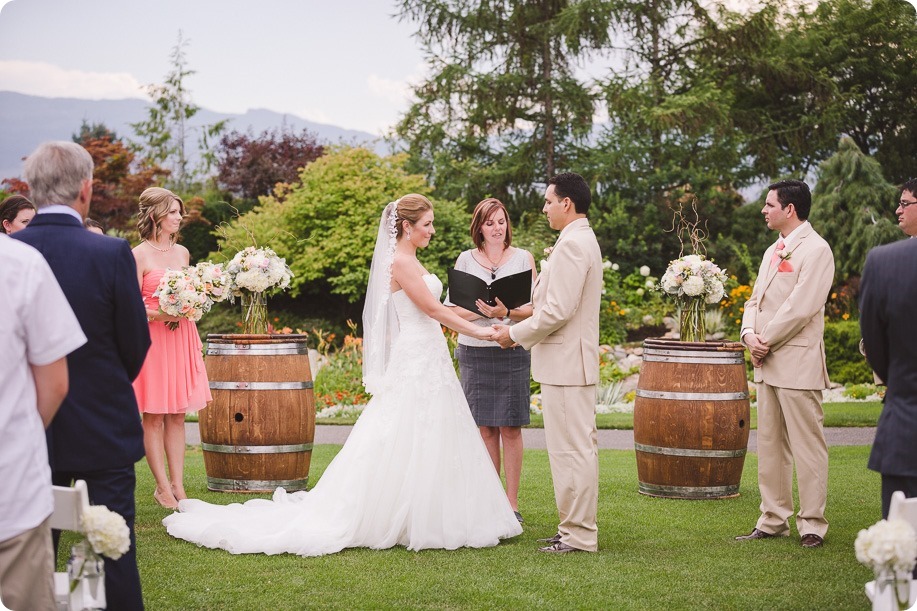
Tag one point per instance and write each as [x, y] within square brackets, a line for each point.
[563, 335]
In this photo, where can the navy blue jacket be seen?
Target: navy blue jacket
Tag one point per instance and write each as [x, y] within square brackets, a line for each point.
[98, 424]
[888, 322]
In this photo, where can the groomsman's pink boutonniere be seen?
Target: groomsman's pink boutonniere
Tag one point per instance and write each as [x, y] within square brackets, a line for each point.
[785, 265]
[548, 251]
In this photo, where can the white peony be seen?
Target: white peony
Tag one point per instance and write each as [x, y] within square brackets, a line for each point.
[106, 531]
[715, 292]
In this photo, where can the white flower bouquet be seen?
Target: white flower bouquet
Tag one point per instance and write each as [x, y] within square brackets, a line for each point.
[255, 271]
[889, 547]
[106, 534]
[694, 281]
[182, 294]
[216, 283]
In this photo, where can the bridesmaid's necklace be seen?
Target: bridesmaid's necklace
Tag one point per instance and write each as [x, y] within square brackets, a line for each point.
[154, 247]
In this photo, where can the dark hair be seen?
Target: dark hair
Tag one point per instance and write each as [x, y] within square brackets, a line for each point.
[10, 207]
[572, 185]
[794, 192]
[88, 223]
[910, 185]
[482, 212]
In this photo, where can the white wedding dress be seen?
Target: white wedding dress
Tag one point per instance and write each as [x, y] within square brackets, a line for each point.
[413, 472]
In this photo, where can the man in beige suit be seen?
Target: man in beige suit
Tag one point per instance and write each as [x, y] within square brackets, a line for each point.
[783, 327]
[563, 335]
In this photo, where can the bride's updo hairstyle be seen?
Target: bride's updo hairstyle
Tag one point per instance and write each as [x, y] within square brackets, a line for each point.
[154, 206]
[410, 208]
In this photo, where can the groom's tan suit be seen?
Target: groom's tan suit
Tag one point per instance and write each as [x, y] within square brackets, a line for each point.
[563, 335]
[787, 308]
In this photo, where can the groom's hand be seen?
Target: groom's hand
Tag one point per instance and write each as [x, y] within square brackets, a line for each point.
[502, 336]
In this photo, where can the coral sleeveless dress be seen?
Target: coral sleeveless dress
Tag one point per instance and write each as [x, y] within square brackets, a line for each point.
[173, 379]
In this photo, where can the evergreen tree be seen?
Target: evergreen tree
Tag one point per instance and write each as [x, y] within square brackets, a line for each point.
[853, 207]
[503, 107]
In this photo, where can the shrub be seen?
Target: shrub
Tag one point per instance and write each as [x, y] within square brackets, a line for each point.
[845, 363]
[340, 381]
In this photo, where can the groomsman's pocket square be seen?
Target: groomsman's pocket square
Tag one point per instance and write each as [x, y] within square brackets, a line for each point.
[784, 267]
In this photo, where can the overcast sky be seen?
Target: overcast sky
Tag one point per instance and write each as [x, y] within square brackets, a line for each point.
[343, 62]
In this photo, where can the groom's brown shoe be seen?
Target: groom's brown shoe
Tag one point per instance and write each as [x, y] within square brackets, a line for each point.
[755, 534]
[559, 548]
[812, 540]
[552, 540]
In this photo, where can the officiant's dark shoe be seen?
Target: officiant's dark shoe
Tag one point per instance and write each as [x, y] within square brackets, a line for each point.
[812, 540]
[554, 539]
[755, 534]
[519, 517]
[559, 548]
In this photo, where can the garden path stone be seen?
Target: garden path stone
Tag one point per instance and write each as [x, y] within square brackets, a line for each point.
[608, 439]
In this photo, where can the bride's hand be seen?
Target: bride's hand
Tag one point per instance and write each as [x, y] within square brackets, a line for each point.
[486, 333]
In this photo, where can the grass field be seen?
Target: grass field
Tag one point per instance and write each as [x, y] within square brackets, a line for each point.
[654, 554]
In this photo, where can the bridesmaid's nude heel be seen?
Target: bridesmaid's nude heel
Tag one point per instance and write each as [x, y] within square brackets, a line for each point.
[166, 503]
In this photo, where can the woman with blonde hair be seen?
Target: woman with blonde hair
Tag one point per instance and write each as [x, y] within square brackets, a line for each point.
[173, 381]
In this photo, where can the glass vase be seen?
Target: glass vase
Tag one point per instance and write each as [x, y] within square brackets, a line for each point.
[86, 572]
[693, 320]
[893, 589]
[254, 313]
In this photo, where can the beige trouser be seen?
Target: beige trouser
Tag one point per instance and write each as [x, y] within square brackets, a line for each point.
[27, 570]
[790, 430]
[569, 426]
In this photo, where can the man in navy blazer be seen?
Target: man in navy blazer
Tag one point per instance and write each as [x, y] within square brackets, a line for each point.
[97, 435]
[888, 297]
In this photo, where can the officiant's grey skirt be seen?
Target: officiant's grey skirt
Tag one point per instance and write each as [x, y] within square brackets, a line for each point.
[496, 383]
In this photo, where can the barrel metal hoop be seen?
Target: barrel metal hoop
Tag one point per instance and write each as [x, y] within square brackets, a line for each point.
[690, 396]
[257, 349]
[698, 492]
[218, 483]
[223, 385]
[726, 359]
[640, 447]
[276, 449]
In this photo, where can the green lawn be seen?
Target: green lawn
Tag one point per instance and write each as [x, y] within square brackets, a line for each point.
[654, 554]
[859, 413]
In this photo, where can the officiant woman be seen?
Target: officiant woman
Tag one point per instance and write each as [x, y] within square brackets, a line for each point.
[496, 381]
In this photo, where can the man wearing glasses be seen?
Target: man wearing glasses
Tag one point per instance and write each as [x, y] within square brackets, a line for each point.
[888, 292]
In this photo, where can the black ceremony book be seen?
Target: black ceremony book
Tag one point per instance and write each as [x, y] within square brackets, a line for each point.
[513, 291]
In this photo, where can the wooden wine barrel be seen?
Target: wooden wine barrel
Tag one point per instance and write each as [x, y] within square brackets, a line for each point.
[691, 419]
[257, 434]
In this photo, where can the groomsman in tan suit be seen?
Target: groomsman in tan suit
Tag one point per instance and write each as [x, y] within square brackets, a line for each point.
[563, 335]
[783, 327]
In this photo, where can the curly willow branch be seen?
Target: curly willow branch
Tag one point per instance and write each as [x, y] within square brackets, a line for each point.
[695, 232]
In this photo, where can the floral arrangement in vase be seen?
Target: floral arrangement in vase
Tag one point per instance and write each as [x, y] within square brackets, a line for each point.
[693, 280]
[889, 548]
[106, 534]
[255, 271]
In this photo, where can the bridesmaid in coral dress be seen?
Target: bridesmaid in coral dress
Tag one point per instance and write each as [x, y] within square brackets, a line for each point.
[173, 381]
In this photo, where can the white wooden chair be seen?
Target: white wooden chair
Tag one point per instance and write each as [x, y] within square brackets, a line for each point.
[901, 508]
[69, 505]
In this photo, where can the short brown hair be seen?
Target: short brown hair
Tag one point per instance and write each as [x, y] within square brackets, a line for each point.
[482, 213]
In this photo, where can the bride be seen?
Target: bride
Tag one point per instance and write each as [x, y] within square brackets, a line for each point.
[414, 471]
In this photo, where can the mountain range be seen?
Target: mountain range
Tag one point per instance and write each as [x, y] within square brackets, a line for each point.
[26, 121]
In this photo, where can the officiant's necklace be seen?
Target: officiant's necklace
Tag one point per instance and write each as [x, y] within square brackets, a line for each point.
[154, 247]
[493, 266]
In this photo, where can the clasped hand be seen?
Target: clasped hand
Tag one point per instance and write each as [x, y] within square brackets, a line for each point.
[758, 348]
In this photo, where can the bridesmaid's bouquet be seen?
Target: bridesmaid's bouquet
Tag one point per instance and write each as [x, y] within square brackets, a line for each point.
[181, 293]
[215, 282]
